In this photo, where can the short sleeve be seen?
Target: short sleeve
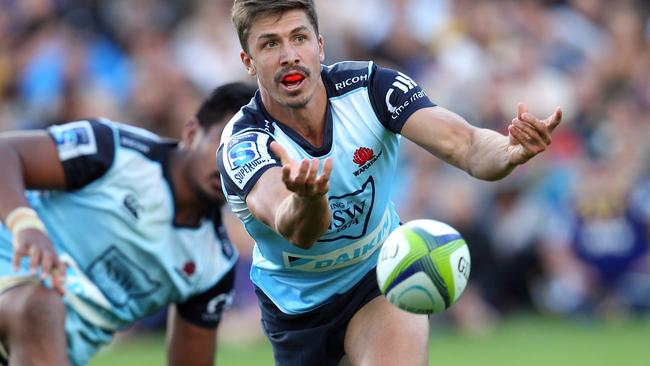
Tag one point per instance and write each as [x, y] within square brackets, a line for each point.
[395, 97]
[205, 309]
[243, 158]
[86, 150]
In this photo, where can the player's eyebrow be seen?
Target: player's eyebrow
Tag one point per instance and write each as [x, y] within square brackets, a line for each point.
[298, 29]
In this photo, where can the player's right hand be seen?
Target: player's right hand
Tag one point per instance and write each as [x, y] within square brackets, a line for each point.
[302, 177]
[33, 243]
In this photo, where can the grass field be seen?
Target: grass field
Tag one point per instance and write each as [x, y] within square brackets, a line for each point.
[519, 341]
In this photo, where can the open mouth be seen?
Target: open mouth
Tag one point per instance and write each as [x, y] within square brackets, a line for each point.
[292, 81]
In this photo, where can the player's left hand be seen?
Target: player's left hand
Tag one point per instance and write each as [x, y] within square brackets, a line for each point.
[529, 135]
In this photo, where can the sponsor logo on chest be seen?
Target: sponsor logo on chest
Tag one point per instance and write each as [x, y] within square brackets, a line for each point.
[364, 157]
[353, 253]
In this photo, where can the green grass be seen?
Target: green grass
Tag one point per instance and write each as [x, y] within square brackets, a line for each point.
[523, 340]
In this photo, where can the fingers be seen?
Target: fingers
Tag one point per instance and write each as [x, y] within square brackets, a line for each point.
[58, 276]
[554, 120]
[322, 183]
[534, 128]
[280, 152]
[528, 137]
[313, 171]
[42, 257]
[52, 267]
[521, 109]
[306, 181]
[34, 258]
[47, 264]
[303, 178]
[19, 253]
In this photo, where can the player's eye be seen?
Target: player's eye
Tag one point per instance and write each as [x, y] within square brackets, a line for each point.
[270, 44]
[300, 38]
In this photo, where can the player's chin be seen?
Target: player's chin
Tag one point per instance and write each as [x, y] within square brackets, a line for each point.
[296, 101]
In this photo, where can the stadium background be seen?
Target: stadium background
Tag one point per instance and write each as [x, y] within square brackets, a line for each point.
[536, 297]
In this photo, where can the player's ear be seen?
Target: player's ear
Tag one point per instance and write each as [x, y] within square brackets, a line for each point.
[248, 63]
[190, 132]
[321, 46]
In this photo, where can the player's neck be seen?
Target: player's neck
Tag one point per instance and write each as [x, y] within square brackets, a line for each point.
[187, 208]
[308, 121]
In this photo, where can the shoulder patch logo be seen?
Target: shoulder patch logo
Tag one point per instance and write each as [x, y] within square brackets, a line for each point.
[405, 84]
[74, 139]
[246, 155]
[242, 150]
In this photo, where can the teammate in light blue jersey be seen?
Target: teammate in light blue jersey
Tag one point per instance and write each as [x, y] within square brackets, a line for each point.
[132, 222]
[308, 166]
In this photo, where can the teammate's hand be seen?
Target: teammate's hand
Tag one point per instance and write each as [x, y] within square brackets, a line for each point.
[530, 136]
[34, 244]
[302, 177]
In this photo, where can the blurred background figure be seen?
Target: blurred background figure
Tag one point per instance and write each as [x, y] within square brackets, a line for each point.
[568, 233]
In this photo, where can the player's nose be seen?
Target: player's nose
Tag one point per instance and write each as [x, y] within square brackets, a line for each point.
[289, 55]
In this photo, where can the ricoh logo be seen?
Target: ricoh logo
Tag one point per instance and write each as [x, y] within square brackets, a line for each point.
[350, 81]
[405, 84]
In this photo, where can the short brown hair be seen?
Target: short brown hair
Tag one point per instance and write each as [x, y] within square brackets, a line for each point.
[244, 13]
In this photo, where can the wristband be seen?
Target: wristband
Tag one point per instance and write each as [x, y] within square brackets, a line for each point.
[22, 218]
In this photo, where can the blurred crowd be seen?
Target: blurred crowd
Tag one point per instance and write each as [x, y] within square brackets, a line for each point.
[566, 234]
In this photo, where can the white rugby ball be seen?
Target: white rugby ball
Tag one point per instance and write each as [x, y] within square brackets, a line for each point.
[423, 266]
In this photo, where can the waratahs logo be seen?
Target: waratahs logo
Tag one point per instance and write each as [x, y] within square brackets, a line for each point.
[364, 157]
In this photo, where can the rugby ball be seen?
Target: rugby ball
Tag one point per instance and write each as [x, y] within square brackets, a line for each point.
[423, 266]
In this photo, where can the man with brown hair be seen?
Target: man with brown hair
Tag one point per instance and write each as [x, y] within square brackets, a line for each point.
[308, 168]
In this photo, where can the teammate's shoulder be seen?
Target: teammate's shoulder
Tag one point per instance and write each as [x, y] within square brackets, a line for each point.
[138, 139]
[250, 117]
[346, 76]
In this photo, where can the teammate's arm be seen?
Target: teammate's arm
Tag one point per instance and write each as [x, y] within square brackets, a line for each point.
[483, 153]
[188, 344]
[293, 199]
[29, 160]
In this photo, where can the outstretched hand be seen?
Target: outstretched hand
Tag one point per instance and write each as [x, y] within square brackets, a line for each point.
[529, 135]
[302, 177]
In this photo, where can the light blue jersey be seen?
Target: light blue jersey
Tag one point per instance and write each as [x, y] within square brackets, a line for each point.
[366, 110]
[114, 228]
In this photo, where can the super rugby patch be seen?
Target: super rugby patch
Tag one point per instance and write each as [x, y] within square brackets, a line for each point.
[74, 139]
[247, 154]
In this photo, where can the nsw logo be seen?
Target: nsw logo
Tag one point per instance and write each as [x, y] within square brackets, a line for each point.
[120, 278]
[351, 213]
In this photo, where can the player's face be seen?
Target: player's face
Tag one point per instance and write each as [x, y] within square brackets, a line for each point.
[285, 55]
[207, 182]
